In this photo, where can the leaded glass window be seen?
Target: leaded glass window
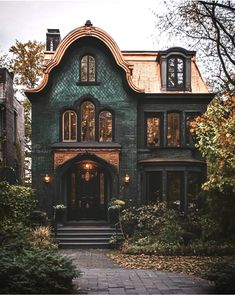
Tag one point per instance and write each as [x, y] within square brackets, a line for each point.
[105, 126]
[87, 121]
[69, 126]
[88, 72]
[176, 73]
[153, 132]
[173, 129]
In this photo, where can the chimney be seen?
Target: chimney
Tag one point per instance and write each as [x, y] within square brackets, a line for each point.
[53, 39]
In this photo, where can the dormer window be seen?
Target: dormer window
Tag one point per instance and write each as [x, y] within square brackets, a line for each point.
[176, 69]
[88, 69]
[175, 72]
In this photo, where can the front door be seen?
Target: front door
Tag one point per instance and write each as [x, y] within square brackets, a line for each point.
[87, 191]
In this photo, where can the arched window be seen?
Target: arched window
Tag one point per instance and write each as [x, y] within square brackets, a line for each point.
[69, 126]
[88, 72]
[105, 126]
[87, 121]
[175, 72]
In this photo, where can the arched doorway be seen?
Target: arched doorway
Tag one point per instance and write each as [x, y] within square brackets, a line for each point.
[85, 185]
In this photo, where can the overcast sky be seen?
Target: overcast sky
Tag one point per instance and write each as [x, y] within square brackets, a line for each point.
[129, 22]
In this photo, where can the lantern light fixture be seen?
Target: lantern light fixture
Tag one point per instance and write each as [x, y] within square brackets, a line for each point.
[126, 179]
[47, 178]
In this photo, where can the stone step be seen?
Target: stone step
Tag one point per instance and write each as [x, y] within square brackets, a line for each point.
[75, 245]
[85, 234]
[89, 236]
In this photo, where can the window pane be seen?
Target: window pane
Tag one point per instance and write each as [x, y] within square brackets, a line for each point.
[153, 131]
[69, 126]
[88, 121]
[105, 126]
[175, 190]
[66, 125]
[102, 189]
[171, 79]
[171, 65]
[180, 65]
[154, 186]
[84, 67]
[73, 123]
[190, 137]
[175, 72]
[194, 188]
[180, 79]
[91, 68]
[173, 129]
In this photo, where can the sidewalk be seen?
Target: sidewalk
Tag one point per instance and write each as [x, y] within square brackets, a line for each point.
[100, 275]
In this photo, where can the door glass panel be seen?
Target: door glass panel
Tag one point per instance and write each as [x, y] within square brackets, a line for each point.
[88, 121]
[102, 188]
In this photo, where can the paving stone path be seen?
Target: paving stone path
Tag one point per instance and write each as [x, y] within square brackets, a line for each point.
[100, 275]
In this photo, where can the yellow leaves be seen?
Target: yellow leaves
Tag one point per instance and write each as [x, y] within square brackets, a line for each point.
[193, 265]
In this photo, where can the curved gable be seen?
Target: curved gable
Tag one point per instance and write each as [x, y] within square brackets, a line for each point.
[86, 31]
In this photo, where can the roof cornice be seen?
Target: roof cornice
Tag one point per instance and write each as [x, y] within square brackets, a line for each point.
[86, 31]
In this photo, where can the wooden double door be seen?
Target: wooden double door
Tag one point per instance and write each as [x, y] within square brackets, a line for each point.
[87, 189]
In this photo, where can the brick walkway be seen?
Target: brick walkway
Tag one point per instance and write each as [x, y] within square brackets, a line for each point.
[100, 275]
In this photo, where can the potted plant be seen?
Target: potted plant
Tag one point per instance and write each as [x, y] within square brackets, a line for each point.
[115, 208]
[59, 212]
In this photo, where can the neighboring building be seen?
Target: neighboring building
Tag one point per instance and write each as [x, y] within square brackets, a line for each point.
[107, 123]
[11, 131]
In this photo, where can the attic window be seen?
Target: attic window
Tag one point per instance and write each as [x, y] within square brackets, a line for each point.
[175, 72]
[88, 69]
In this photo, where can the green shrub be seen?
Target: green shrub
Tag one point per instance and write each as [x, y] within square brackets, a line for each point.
[223, 275]
[155, 222]
[143, 246]
[35, 271]
[16, 204]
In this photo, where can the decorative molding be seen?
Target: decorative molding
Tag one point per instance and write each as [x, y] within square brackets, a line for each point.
[75, 35]
[109, 155]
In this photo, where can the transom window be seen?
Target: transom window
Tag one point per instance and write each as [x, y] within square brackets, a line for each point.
[175, 72]
[88, 71]
[69, 126]
[153, 130]
[173, 129]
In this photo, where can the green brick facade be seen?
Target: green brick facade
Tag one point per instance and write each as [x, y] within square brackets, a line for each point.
[64, 91]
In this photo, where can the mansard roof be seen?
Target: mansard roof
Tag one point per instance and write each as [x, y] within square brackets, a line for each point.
[142, 68]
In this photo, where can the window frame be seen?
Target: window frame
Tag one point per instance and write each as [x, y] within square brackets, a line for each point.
[180, 128]
[95, 121]
[88, 81]
[159, 115]
[113, 128]
[176, 86]
[63, 126]
[193, 114]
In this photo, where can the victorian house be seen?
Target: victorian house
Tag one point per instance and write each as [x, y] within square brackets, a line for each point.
[109, 123]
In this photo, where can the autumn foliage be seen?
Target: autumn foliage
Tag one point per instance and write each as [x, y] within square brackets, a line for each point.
[216, 141]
